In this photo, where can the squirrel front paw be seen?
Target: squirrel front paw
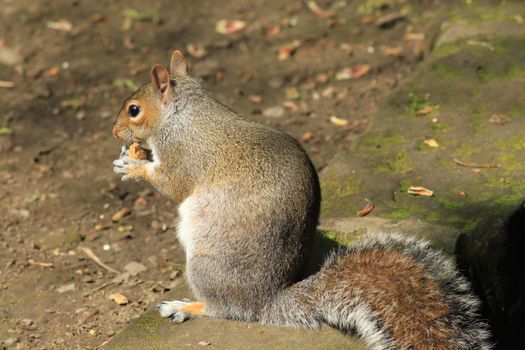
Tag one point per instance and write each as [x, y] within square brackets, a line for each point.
[132, 169]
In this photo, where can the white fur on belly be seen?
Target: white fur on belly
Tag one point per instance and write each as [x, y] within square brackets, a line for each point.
[186, 228]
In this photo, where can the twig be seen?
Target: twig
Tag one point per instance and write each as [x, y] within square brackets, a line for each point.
[38, 263]
[102, 286]
[476, 165]
[96, 259]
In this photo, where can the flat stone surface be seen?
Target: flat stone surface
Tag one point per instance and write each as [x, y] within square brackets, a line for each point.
[467, 99]
[348, 230]
[475, 93]
[152, 332]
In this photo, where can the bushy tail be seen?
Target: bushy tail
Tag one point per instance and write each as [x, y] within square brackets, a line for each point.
[394, 292]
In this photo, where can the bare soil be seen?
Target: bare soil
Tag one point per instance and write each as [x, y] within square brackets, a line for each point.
[57, 189]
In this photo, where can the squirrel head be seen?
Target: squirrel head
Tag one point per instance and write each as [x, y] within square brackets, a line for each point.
[141, 113]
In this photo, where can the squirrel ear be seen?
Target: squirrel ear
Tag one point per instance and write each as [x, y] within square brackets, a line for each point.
[178, 64]
[160, 79]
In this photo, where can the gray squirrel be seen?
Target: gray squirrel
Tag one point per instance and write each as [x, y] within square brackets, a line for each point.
[248, 202]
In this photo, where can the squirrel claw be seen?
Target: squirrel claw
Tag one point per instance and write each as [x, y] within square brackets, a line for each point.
[129, 167]
[124, 151]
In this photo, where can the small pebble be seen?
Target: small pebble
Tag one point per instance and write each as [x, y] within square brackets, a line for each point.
[10, 341]
[66, 288]
[274, 112]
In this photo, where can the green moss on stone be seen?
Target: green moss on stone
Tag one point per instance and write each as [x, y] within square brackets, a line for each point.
[399, 163]
[483, 75]
[343, 238]
[445, 50]
[380, 142]
[450, 203]
[399, 214]
[514, 71]
[446, 70]
[418, 102]
[471, 224]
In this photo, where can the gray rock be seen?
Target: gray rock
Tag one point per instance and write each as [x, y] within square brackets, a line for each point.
[150, 331]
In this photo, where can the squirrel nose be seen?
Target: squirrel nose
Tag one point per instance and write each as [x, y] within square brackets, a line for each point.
[115, 131]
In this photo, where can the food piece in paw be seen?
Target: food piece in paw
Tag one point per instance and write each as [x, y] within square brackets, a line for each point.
[137, 152]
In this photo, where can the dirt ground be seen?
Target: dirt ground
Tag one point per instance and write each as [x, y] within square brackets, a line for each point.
[65, 68]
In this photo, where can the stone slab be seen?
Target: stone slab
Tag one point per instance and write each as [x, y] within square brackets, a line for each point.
[151, 332]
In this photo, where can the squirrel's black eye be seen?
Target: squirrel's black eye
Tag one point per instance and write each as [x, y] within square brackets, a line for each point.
[133, 110]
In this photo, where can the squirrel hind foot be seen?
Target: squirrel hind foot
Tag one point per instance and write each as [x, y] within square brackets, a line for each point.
[180, 310]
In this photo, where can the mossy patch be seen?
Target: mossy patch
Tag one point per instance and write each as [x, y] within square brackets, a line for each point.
[398, 214]
[446, 70]
[445, 50]
[337, 194]
[380, 142]
[398, 163]
[514, 71]
[418, 102]
[450, 202]
[343, 238]
[483, 75]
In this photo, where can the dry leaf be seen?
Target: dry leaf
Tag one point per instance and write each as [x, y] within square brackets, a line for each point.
[463, 194]
[291, 105]
[321, 78]
[307, 136]
[389, 19]
[40, 264]
[425, 111]
[414, 36]
[288, 50]
[5, 131]
[51, 72]
[204, 343]
[338, 121]
[475, 165]
[273, 30]
[120, 214]
[128, 43]
[98, 18]
[62, 25]
[366, 210]
[420, 191]
[392, 51]
[431, 143]
[196, 50]
[119, 298]
[7, 84]
[499, 118]
[255, 98]
[353, 72]
[312, 5]
[229, 26]
[483, 44]
[346, 47]
[292, 93]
